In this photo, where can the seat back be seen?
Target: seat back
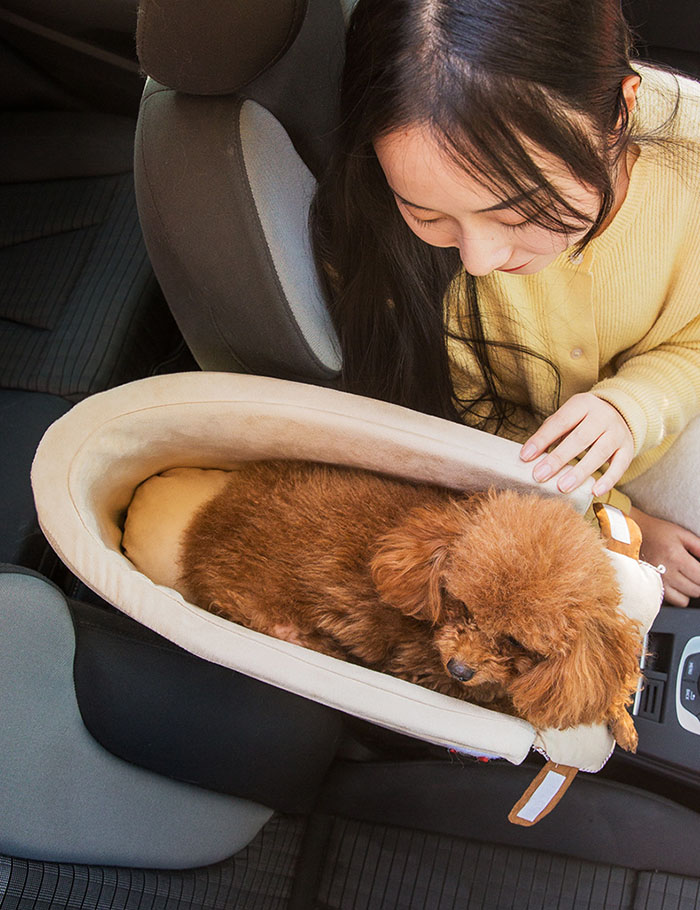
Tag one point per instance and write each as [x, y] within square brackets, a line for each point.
[235, 121]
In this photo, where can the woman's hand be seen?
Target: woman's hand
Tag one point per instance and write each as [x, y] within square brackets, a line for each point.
[585, 423]
[665, 543]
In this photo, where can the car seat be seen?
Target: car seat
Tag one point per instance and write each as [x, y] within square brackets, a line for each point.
[227, 148]
[80, 308]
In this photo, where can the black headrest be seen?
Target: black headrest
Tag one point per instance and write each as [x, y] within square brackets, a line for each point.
[217, 46]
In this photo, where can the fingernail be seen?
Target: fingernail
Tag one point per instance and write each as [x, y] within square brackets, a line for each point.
[542, 471]
[528, 451]
[568, 482]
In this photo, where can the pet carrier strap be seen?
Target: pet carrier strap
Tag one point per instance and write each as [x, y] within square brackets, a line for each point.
[621, 534]
[543, 794]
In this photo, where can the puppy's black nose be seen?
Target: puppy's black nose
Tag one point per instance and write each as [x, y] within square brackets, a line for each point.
[460, 671]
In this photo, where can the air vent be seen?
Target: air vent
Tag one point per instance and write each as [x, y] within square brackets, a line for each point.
[652, 698]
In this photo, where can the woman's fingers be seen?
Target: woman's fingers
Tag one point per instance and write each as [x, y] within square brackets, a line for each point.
[584, 424]
[688, 580]
[682, 580]
[678, 549]
[692, 544]
[674, 597]
[561, 422]
[598, 453]
[594, 459]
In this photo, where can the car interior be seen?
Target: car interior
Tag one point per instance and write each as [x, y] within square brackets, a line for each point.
[157, 168]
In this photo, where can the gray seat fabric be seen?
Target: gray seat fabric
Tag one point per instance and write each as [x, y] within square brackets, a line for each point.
[259, 877]
[24, 417]
[66, 799]
[225, 213]
[232, 252]
[80, 309]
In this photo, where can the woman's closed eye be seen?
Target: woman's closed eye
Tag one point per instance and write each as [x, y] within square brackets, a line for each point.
[424, 221]
[440, 219]
[517, 226]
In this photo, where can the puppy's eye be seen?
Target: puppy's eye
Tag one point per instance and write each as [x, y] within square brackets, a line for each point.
[514, 642]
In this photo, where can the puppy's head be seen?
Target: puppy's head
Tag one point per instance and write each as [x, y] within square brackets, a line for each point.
[523, 600]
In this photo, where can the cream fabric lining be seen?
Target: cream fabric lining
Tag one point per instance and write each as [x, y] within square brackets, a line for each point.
[92, 460]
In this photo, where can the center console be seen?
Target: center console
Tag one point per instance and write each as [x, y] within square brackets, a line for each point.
[667, 709]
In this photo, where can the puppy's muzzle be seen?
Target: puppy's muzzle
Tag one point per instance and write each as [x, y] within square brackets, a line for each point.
[459, 670]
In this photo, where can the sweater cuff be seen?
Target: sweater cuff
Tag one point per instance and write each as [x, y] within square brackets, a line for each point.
[629, 409]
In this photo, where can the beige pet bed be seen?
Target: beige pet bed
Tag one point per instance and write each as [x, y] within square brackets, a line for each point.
[91, 462]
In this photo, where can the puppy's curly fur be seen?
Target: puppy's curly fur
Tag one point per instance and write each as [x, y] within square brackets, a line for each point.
[499, 598]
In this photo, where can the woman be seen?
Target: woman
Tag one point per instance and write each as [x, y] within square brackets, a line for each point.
[509, 231]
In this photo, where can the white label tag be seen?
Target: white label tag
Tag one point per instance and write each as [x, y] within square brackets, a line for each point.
[619, 529]
[543, 795]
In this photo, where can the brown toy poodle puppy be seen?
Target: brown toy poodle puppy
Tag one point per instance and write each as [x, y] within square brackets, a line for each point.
[502, 599]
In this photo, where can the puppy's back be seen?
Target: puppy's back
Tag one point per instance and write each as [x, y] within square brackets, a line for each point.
[281, 530]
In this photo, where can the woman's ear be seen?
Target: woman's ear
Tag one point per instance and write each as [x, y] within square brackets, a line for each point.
[408, 565]
[630, 87]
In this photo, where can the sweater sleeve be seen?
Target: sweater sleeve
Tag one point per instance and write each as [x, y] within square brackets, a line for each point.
[658, 391]
[656, 383]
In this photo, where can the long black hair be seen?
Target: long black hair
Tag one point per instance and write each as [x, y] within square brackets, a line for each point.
[490, 79]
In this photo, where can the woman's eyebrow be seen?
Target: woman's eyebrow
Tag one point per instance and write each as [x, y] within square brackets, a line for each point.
[496, 207]
[423, 208]
[509, 203]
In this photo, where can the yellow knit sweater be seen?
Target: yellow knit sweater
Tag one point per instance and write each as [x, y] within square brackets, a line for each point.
[623, 321]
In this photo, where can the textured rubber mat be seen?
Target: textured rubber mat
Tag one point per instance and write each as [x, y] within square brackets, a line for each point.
[372, 867]
[367, 867]
[258, 878]
[658, 891]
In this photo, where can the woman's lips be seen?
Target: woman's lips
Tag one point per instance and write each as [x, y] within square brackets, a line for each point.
[517, 268]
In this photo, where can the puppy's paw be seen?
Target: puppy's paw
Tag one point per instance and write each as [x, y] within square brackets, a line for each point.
[624, 731]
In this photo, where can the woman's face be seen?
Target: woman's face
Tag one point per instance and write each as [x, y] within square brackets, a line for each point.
[446, 207]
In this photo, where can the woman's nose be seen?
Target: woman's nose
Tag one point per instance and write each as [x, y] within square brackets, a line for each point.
[481, 255]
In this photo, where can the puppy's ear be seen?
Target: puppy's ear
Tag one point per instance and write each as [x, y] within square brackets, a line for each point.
[407, 567]
[586, 684]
